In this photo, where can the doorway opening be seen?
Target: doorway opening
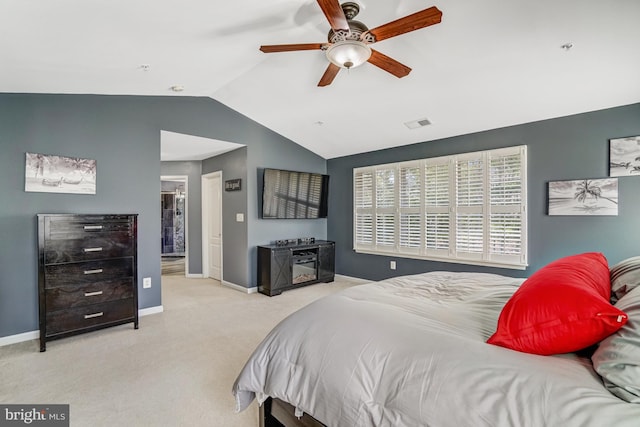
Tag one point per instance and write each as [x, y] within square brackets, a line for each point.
[173, 225]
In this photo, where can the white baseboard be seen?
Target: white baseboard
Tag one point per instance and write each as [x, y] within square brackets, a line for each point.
[194, 276]
[255, 288]
[240, 288]
[34, 335]
[352, 279]
[151, 310]
[14, 339]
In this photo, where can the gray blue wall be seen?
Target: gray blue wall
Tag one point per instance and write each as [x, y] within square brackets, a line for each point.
[235, 258]
[278, 154]
[123, 134]
[574, 147]
[120, 136]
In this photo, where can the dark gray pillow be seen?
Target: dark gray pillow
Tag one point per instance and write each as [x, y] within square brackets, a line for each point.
[617, 358]
[625, 276]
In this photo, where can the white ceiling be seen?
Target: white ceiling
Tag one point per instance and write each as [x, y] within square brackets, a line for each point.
[489, 64]
[179, 147]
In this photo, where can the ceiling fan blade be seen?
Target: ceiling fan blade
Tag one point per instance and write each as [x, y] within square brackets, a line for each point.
[329, 75]
[290, 47]
[412, 22]
[390, 65]
[334, 13]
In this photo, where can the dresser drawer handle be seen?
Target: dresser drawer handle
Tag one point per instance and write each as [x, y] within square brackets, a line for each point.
[92, 249]
[91, 316]
[92, 294]
[93, 227]
[96, 271]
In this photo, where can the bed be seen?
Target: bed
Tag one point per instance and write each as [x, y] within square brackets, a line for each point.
[412, 351]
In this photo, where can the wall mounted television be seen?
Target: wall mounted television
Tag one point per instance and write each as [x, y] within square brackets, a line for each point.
[294, 195]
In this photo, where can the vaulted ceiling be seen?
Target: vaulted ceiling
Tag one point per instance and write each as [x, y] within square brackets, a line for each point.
[488, 64]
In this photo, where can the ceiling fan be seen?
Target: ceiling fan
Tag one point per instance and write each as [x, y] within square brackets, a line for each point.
[349, 40]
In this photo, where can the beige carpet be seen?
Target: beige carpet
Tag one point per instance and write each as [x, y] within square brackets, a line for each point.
[176, 370]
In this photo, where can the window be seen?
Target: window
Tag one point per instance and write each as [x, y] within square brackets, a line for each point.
[468, 208]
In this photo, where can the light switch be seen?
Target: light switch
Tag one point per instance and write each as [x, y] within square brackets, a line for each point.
[239, 217]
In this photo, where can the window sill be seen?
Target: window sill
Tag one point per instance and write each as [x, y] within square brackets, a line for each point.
[441, 259]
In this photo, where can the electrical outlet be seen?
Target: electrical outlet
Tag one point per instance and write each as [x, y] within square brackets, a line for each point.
[392, 265]
[146, 282]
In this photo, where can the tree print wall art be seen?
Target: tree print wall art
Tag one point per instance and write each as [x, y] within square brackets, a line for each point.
[58, 174]
[584, 197]
[624, 156]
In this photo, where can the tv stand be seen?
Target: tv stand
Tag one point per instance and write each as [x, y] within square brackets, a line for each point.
[284, 267]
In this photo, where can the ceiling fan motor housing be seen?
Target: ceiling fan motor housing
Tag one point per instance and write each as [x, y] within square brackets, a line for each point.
[357, 31]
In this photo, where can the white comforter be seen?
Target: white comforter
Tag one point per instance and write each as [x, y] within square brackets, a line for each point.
[410, 351]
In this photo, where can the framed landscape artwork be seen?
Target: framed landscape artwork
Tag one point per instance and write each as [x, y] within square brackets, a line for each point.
[59, 174]
[584, 197]
[624, 156]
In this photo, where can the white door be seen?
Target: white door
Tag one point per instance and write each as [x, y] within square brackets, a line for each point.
[213, 224]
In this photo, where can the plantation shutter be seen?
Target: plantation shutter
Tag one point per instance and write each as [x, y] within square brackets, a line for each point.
[437, 219]
[410, 200]
[363, 218]
[506, 218]
[385, 202]
[467, 208]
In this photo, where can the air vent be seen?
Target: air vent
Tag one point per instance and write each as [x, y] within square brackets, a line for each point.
[415, 124]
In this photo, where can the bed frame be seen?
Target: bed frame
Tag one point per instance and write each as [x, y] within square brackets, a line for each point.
[277, 413]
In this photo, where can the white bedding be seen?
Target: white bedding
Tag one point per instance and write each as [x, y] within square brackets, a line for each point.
[410, 351]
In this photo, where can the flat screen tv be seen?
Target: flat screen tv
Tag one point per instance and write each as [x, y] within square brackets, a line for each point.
[294, 195]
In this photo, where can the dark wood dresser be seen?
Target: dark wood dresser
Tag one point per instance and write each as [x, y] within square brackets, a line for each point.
[87, 275]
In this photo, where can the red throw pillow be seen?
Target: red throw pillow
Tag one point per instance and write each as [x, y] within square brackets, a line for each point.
[562, 307]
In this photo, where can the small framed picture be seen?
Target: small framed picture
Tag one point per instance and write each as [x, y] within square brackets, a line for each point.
[624, 156]
[584, 197]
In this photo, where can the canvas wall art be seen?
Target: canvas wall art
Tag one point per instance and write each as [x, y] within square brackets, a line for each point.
[584, 197]
[624, 156]
[59, 174]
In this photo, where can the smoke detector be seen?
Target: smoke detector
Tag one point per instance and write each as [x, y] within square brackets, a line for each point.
[415, 124]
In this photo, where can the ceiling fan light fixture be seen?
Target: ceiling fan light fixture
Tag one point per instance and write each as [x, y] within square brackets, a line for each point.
[348, 53]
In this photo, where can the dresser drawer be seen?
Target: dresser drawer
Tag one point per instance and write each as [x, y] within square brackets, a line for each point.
[82, 226]
[82, 273]
[76, 296]
[74, 319]
[95, 247]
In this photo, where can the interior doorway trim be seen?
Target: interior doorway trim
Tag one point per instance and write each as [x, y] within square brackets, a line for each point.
[185, 179]
[208, 180]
